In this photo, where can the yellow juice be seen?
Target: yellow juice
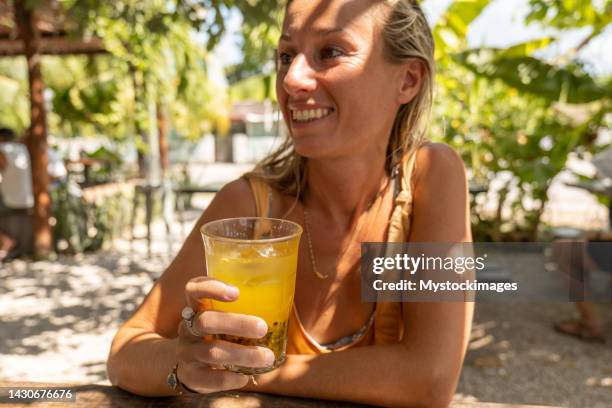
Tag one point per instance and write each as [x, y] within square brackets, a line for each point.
[265, 275]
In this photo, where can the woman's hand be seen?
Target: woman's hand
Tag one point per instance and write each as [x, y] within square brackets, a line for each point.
[201, 358]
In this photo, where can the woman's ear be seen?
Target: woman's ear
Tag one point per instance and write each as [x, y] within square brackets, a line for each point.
[414, 73]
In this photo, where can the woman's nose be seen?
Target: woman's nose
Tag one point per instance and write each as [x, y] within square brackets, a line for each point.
[300, 76]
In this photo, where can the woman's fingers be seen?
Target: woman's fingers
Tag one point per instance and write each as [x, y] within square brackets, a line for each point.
[220, 353]
[209, 288]
[205, 380]
[234, 324]
[199, 360]
[212, 322]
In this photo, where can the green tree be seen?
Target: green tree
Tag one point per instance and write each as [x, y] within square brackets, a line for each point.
[504, 109]
[14, 109]
[156, 60]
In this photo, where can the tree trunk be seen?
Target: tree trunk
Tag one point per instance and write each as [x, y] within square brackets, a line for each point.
[36, 139]
[162, 126]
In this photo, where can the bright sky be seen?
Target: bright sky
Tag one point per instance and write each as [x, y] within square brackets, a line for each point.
[499, 25]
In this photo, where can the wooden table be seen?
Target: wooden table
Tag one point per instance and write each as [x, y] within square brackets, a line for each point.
[181, 193]
[151, 192]
[106, 396]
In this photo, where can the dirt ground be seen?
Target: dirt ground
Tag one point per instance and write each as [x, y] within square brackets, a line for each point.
[516, 357]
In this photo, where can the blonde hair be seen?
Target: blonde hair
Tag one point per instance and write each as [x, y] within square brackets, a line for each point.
[406, 35]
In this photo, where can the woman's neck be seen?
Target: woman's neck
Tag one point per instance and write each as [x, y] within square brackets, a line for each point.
[340, 190]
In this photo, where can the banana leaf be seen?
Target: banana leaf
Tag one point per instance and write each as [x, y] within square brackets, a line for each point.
[528, 74]
[451, 29]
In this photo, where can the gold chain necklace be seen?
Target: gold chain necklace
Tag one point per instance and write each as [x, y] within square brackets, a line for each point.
[312, 257]
[313, 261]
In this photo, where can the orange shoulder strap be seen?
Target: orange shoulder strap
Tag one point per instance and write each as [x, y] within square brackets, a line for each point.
[261, 193]
[399, 226]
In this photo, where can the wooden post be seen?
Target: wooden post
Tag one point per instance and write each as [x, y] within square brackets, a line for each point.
[162, 126]
[36, 139]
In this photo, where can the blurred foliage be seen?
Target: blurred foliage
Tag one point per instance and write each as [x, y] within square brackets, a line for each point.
[258, 49]
[106, 166]
[81, 226]
[256, 87]
[450, 31]
[568, 84]
[162, 58]
[564, 14]
[77, 225]
[158, 53]
[254, 76]
[91, 96]
[110, 94]
[14, 105]
[506, 111]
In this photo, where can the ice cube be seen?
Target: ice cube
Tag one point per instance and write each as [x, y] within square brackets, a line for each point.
[231, 255]
[267, 251]
[248, 253]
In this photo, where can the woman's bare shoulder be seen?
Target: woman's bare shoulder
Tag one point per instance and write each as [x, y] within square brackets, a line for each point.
[233, 200]
[438, 164]
[440, 207]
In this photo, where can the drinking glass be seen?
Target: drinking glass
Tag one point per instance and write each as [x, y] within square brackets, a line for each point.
[259, 256]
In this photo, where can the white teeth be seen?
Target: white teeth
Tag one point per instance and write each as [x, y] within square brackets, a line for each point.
[309, 114]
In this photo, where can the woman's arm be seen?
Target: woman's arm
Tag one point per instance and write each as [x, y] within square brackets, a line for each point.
[144, 349]
[422, 370]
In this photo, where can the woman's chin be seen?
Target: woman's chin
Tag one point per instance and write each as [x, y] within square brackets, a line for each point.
[311, 149]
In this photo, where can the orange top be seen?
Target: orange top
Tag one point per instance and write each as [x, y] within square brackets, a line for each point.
[387, 326]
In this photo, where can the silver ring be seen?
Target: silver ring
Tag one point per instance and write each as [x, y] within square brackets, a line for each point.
[188, 315]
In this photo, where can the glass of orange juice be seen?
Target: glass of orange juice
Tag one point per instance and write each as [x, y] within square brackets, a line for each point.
[258, 256]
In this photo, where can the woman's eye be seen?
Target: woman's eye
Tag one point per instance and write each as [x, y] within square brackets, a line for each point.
[330, 53]
[284, 58]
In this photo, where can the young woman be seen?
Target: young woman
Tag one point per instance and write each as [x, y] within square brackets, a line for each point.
[354, 85]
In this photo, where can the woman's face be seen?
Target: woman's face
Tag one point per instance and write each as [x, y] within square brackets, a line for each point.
[337, 92]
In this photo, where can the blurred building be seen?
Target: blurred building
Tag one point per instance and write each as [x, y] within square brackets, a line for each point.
[256, 130]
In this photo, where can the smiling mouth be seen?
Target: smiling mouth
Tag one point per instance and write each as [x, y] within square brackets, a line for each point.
[309, 115]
